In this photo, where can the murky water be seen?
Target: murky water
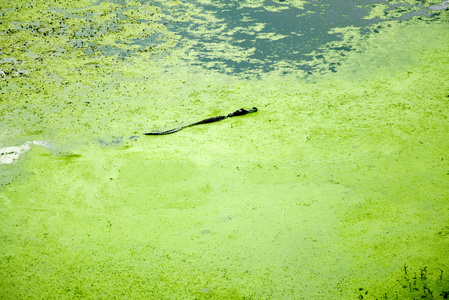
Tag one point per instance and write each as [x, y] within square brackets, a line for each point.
[292, 33]
[336, 188]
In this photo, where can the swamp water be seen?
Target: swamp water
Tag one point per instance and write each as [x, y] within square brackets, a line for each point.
[337, 188]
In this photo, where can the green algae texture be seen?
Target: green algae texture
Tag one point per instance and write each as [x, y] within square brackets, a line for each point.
[337, 188]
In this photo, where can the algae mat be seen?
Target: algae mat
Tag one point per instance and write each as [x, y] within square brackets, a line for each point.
[337, 188]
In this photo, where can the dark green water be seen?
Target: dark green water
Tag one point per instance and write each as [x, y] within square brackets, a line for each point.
[299, 35]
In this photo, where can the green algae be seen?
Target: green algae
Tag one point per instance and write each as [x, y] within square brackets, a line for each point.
[397, 8]
[332, 186]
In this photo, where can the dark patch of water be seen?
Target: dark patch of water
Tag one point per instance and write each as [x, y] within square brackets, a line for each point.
[305, 33]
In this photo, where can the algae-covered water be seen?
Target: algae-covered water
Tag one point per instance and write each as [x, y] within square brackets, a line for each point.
[337, 188]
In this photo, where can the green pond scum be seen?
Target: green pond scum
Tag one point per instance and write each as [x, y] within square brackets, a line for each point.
[337, 188]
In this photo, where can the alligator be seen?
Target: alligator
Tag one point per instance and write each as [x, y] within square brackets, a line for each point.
[239, 112]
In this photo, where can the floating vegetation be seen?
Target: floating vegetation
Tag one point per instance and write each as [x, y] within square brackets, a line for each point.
[415, 283]
[100, 28]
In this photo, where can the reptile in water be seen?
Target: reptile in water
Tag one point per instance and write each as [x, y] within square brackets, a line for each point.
[239, 112]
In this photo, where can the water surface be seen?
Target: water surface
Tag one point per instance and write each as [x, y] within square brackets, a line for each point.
[336, 188]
